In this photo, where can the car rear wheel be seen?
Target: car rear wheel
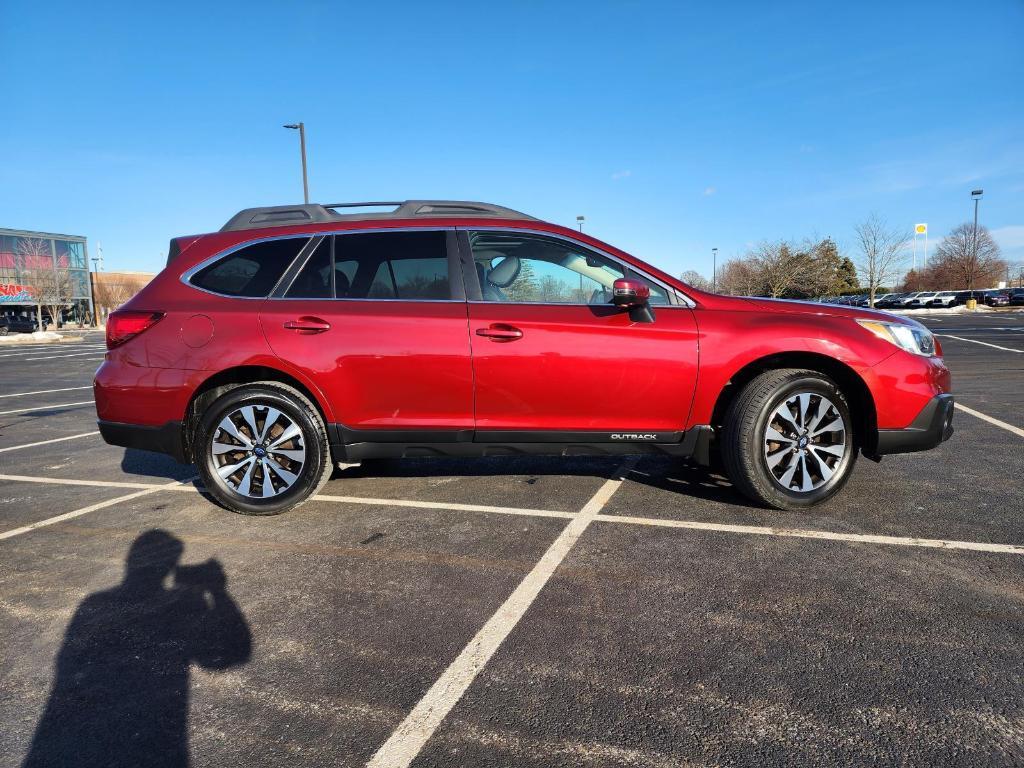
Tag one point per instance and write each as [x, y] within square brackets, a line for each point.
[262, 449]
[788, 440]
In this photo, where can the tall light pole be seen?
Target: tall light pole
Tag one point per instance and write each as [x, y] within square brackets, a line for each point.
[301, 128]
[96, 261]
[579, 222]
[976, 196]
[714, 270]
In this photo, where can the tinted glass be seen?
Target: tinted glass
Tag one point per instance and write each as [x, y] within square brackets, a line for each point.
[392, 265]
[314, 281]
[531, 269]
[251, 271]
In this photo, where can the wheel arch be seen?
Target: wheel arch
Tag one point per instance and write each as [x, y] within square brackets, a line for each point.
[229, 378]
[858, 394]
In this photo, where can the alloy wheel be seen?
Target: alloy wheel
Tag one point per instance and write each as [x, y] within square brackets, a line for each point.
[805, 441]
[258, 451]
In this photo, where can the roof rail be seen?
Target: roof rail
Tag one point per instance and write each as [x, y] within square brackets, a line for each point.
[288, 215]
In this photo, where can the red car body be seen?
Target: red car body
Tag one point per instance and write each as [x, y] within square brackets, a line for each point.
[421, 377]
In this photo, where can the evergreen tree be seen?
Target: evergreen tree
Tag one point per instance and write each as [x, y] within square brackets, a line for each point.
[524, 287]
[846, 276]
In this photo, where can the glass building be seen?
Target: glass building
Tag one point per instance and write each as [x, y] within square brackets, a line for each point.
[21, 252]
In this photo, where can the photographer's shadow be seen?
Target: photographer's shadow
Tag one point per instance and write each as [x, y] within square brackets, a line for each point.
[121, 691]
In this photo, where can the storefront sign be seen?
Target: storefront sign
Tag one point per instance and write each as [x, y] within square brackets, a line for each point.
[14, 294]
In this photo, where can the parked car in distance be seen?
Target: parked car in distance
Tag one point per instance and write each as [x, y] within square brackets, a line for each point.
[943, 299]
[22, 324]
[880, 300]
[997, 298]
[921, 300]
[301, 336]
[855, 300]
[887, 301]
[904, 302]
[1017, 296]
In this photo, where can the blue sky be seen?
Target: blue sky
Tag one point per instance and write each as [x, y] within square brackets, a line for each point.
[673, 127]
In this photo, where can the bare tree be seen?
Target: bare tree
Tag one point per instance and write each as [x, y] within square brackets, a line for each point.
[739, 277]
[50, 288]
[882, 251]
[1015, 274]
[32, 255]
[969, 263]
[697, 280]
[111, 294]
[781, 267]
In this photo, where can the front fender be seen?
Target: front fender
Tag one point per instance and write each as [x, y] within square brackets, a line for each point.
[733, 340]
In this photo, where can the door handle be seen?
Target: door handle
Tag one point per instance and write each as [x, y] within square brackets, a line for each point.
[308, 325]
[500, 332]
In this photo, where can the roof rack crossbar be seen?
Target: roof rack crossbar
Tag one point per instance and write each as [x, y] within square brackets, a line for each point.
[290, 215]
[361, 205]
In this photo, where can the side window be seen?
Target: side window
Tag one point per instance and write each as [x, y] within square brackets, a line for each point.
[533, 269]
[659, 295]
[314, 281]
[383, 285]
[251, 271]
[392, 265]
[344, 275]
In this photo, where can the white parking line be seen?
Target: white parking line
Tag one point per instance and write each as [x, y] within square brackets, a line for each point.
[84, 510]
[455, 506]
[445, 505]
[984, 417]
[77, 347]
[186, 486]
[47, 442]
[987, 328]
[62, 357]
[46, 407]
[983, 343]
[87, 483]
[855, 538]
[44, 391]
[408, 739]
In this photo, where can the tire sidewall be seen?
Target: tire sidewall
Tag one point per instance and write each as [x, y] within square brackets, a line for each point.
[313, 438]
[813, 385]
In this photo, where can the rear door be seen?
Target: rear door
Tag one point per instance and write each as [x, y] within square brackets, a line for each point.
[378, 321]
[552, 354]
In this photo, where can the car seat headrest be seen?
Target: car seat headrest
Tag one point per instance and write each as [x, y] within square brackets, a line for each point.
[506, 271]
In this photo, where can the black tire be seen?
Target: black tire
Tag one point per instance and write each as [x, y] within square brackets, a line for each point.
[743, 439]
[315, 470]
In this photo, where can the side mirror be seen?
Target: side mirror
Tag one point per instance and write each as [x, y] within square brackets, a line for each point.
[633, 295]
[629, 294]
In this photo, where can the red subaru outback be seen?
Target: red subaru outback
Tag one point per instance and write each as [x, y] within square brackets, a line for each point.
[300, 336]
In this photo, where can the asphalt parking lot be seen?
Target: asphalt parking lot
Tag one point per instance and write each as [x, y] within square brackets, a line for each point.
[527, 612]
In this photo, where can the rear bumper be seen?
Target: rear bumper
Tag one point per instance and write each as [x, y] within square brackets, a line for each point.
[933, 425]
[166, 438]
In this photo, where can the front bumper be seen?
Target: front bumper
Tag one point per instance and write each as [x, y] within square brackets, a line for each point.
[933, 425]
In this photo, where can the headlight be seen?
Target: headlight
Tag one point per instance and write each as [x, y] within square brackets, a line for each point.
[912, 338]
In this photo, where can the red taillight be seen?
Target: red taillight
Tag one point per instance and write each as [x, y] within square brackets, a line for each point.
[938, 347]
[122, 326]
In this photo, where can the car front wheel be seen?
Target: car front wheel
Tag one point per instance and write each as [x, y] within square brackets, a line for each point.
[788, 439]
[262, 449]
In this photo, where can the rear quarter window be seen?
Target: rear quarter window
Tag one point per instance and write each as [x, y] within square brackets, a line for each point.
[251, 271]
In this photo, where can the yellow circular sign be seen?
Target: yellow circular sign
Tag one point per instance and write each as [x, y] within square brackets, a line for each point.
[921, 229]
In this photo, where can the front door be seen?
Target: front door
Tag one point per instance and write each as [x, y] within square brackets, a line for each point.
[552, 354]
[378, 321]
